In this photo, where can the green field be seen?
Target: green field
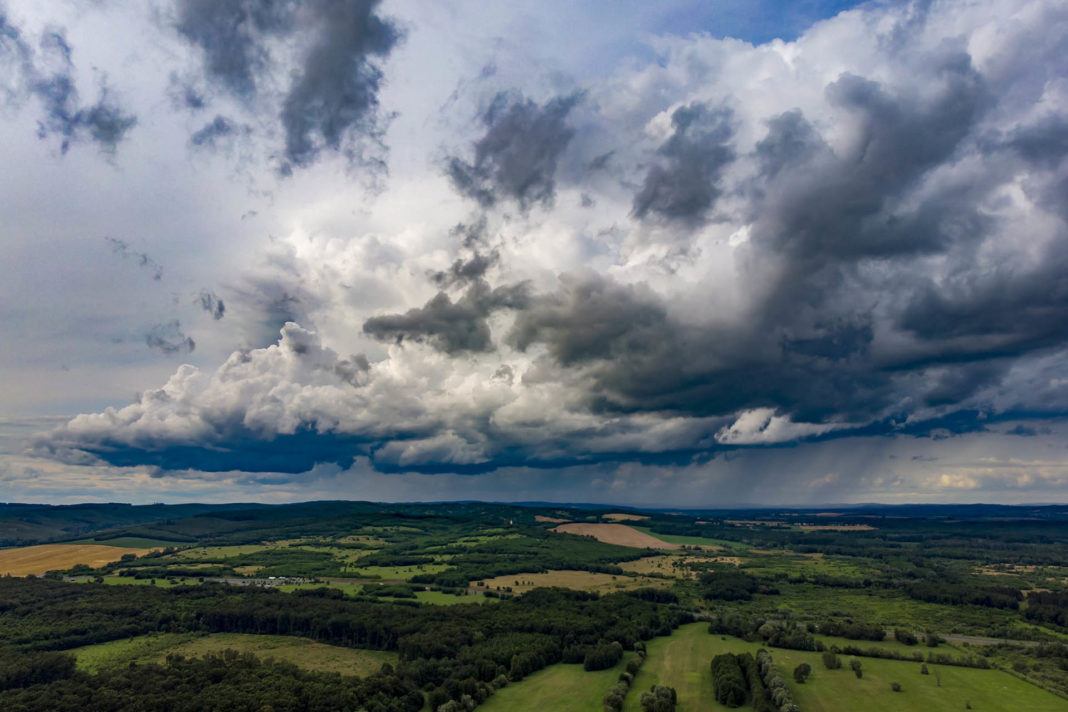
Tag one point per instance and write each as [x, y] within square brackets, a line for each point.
[557, 688]
[302, 652]
[681, 661]
[438, 598]
[394, 573]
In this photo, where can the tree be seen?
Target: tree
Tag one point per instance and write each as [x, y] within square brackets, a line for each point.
[831, 661]
[923, 669]
[801, 672]
[895, 686]
[855, 665]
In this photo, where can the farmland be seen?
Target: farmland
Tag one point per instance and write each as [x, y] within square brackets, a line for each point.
[37, 560]
[503, 607]
[619, 534]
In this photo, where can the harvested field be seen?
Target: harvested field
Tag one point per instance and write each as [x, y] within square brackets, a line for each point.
[836, 528]
[619, 534]
[578, 580]
[623, 517]
[36, 560]
[540, 518]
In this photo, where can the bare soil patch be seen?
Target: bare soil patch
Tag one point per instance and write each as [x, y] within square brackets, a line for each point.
[37, 560]
[619, 534]
[540, 518]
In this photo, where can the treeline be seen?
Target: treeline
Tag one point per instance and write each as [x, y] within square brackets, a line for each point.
[1048, 607]
[779, 634]
[215, 682]
[731, 585]
[853, 630]
[956, 594]
[738, 679]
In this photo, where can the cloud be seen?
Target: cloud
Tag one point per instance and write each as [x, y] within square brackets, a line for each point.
[168, 338]
[230, 34]
[218, 132]
[122, 249]
[49, 77]
[447, 326]
[211, 303]
[336, 93]
[516, 158]
[859, 235]
[682, 186]
[328, 50]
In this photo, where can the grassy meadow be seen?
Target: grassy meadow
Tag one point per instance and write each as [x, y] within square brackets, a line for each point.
[557, 688]
[302, 652]
[682, 661]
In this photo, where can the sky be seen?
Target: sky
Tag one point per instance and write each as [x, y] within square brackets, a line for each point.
[679, 254]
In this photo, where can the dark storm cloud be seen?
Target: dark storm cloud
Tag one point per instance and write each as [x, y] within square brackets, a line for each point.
[211, 303]
[168, 338]
[682, 186]
[463, 271]
[332, 99]
[104, 123]
[336, 92]
[230, 33]
[141, 259]
[590, 318]
[218, 132]
[1008, 311]
[516, 158]
[450, 327]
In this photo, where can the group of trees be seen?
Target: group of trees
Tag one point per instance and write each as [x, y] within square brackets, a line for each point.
[613, 699]
[777, 633]
[738, 679]
[726, 585]
[1048, 607]
[447, 651]
[660, 698]
[216, 682]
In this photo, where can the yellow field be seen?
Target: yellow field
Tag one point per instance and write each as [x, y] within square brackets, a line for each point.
[675, 566]
[579, 580]
[622, 517]
[36, 560]
[619, 534]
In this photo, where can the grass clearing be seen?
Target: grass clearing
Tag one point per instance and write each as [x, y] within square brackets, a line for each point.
[439, 598]
[120, 653]
[36, 560]
[393, 573]
[578, 580]
[557, 688]
[682, 660]
[302, 652]
[673, 565]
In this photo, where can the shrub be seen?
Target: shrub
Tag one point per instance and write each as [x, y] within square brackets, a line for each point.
[801, 672]
[895, 686]
[831, 660]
